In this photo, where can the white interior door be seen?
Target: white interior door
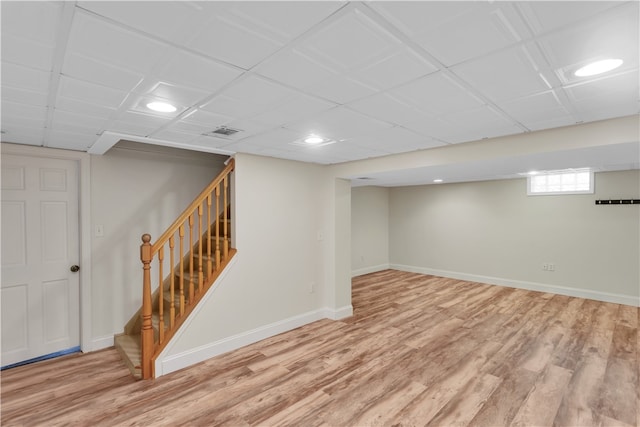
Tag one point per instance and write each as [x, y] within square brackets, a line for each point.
[40, 294]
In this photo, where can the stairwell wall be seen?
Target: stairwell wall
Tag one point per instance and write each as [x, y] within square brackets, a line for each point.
[287, 271]
[135, 189]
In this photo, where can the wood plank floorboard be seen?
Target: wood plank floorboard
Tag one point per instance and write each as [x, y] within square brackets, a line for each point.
[419, 350]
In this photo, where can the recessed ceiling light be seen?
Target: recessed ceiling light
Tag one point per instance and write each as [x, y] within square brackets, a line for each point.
[437, 181]
[598, 67]
[532, 173]
[314, 139]
[161, 107]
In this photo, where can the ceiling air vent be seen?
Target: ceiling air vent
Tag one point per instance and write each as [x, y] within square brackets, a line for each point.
[223, 131]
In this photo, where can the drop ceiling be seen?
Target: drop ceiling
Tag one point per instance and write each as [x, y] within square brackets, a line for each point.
[378, 78]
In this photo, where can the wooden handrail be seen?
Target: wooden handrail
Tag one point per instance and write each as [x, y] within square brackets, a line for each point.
[192, 207]
[193, 277]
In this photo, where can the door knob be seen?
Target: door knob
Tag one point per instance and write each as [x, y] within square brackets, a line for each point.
[75, 268]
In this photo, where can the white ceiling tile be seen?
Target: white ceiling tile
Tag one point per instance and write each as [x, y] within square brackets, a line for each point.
[79, 107]
[610, 35]
[257, 93]
[386, 107]
[395, 140]
[117, 45]
[176, 94]
[609, 97]
[341, 90]
[243, 146]
[544, 16]
[338, 123]
[223, 105]
[246, 127]
[281, 20]
[106, 74]
[137, 123]
[37, 21]
[26, 78]
[345, 151]
[483, 122]
[616, 87]
[434, 127]
[536, 108]
[174, 136]
[210, 142]
[169, 17]
[23, 113]
[280, 138]
[65, 120]
[507, 74]
[487, 27]
[24, 96]
[551, 122]
[204, 120]
[456, 31]
[229, 39]
[292, 109]
[17, 124]
[22, 134]
[399, 67]
[437, 94]
[71, 140]
[294, 68]
[27, 52]
[189, 70]
[351, 41]
[90, 93]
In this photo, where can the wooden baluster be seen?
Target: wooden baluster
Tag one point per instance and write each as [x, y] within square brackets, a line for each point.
[200, 271]
[181, 233]
[161, 291]
[209, 264]
[172, 279]
[191, 284]
[225, 248]
[217, 227]
[146, 334]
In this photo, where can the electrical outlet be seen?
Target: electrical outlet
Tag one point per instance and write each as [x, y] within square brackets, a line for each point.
[545, 266]
[552, 267]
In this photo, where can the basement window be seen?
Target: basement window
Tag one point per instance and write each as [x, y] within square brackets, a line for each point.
[573, 181]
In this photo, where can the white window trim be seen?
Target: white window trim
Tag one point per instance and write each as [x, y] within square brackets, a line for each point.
[591, 189]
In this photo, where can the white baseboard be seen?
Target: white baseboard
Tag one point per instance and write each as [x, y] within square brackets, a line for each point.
[100, 343]
[530, 286]
[207, 351]
[367, 270]
[339, 313]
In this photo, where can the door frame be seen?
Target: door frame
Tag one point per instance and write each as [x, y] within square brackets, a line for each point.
[83, 161]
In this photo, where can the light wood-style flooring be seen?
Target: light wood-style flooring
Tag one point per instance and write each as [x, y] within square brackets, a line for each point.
[419, 350]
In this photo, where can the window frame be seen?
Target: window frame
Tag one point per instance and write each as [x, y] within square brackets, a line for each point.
[590, 190]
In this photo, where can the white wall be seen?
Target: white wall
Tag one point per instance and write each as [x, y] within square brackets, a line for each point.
[286, 237]
[369, 229]
[493, 232]
[136, 189]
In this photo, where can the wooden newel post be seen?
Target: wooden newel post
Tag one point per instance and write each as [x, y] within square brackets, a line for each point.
[146, 334]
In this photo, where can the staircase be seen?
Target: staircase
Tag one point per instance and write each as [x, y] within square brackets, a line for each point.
[190, 274]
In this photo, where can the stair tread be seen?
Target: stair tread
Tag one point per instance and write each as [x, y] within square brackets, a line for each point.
[129, 348]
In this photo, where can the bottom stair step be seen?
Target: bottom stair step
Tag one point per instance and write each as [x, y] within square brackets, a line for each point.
[130, 349]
